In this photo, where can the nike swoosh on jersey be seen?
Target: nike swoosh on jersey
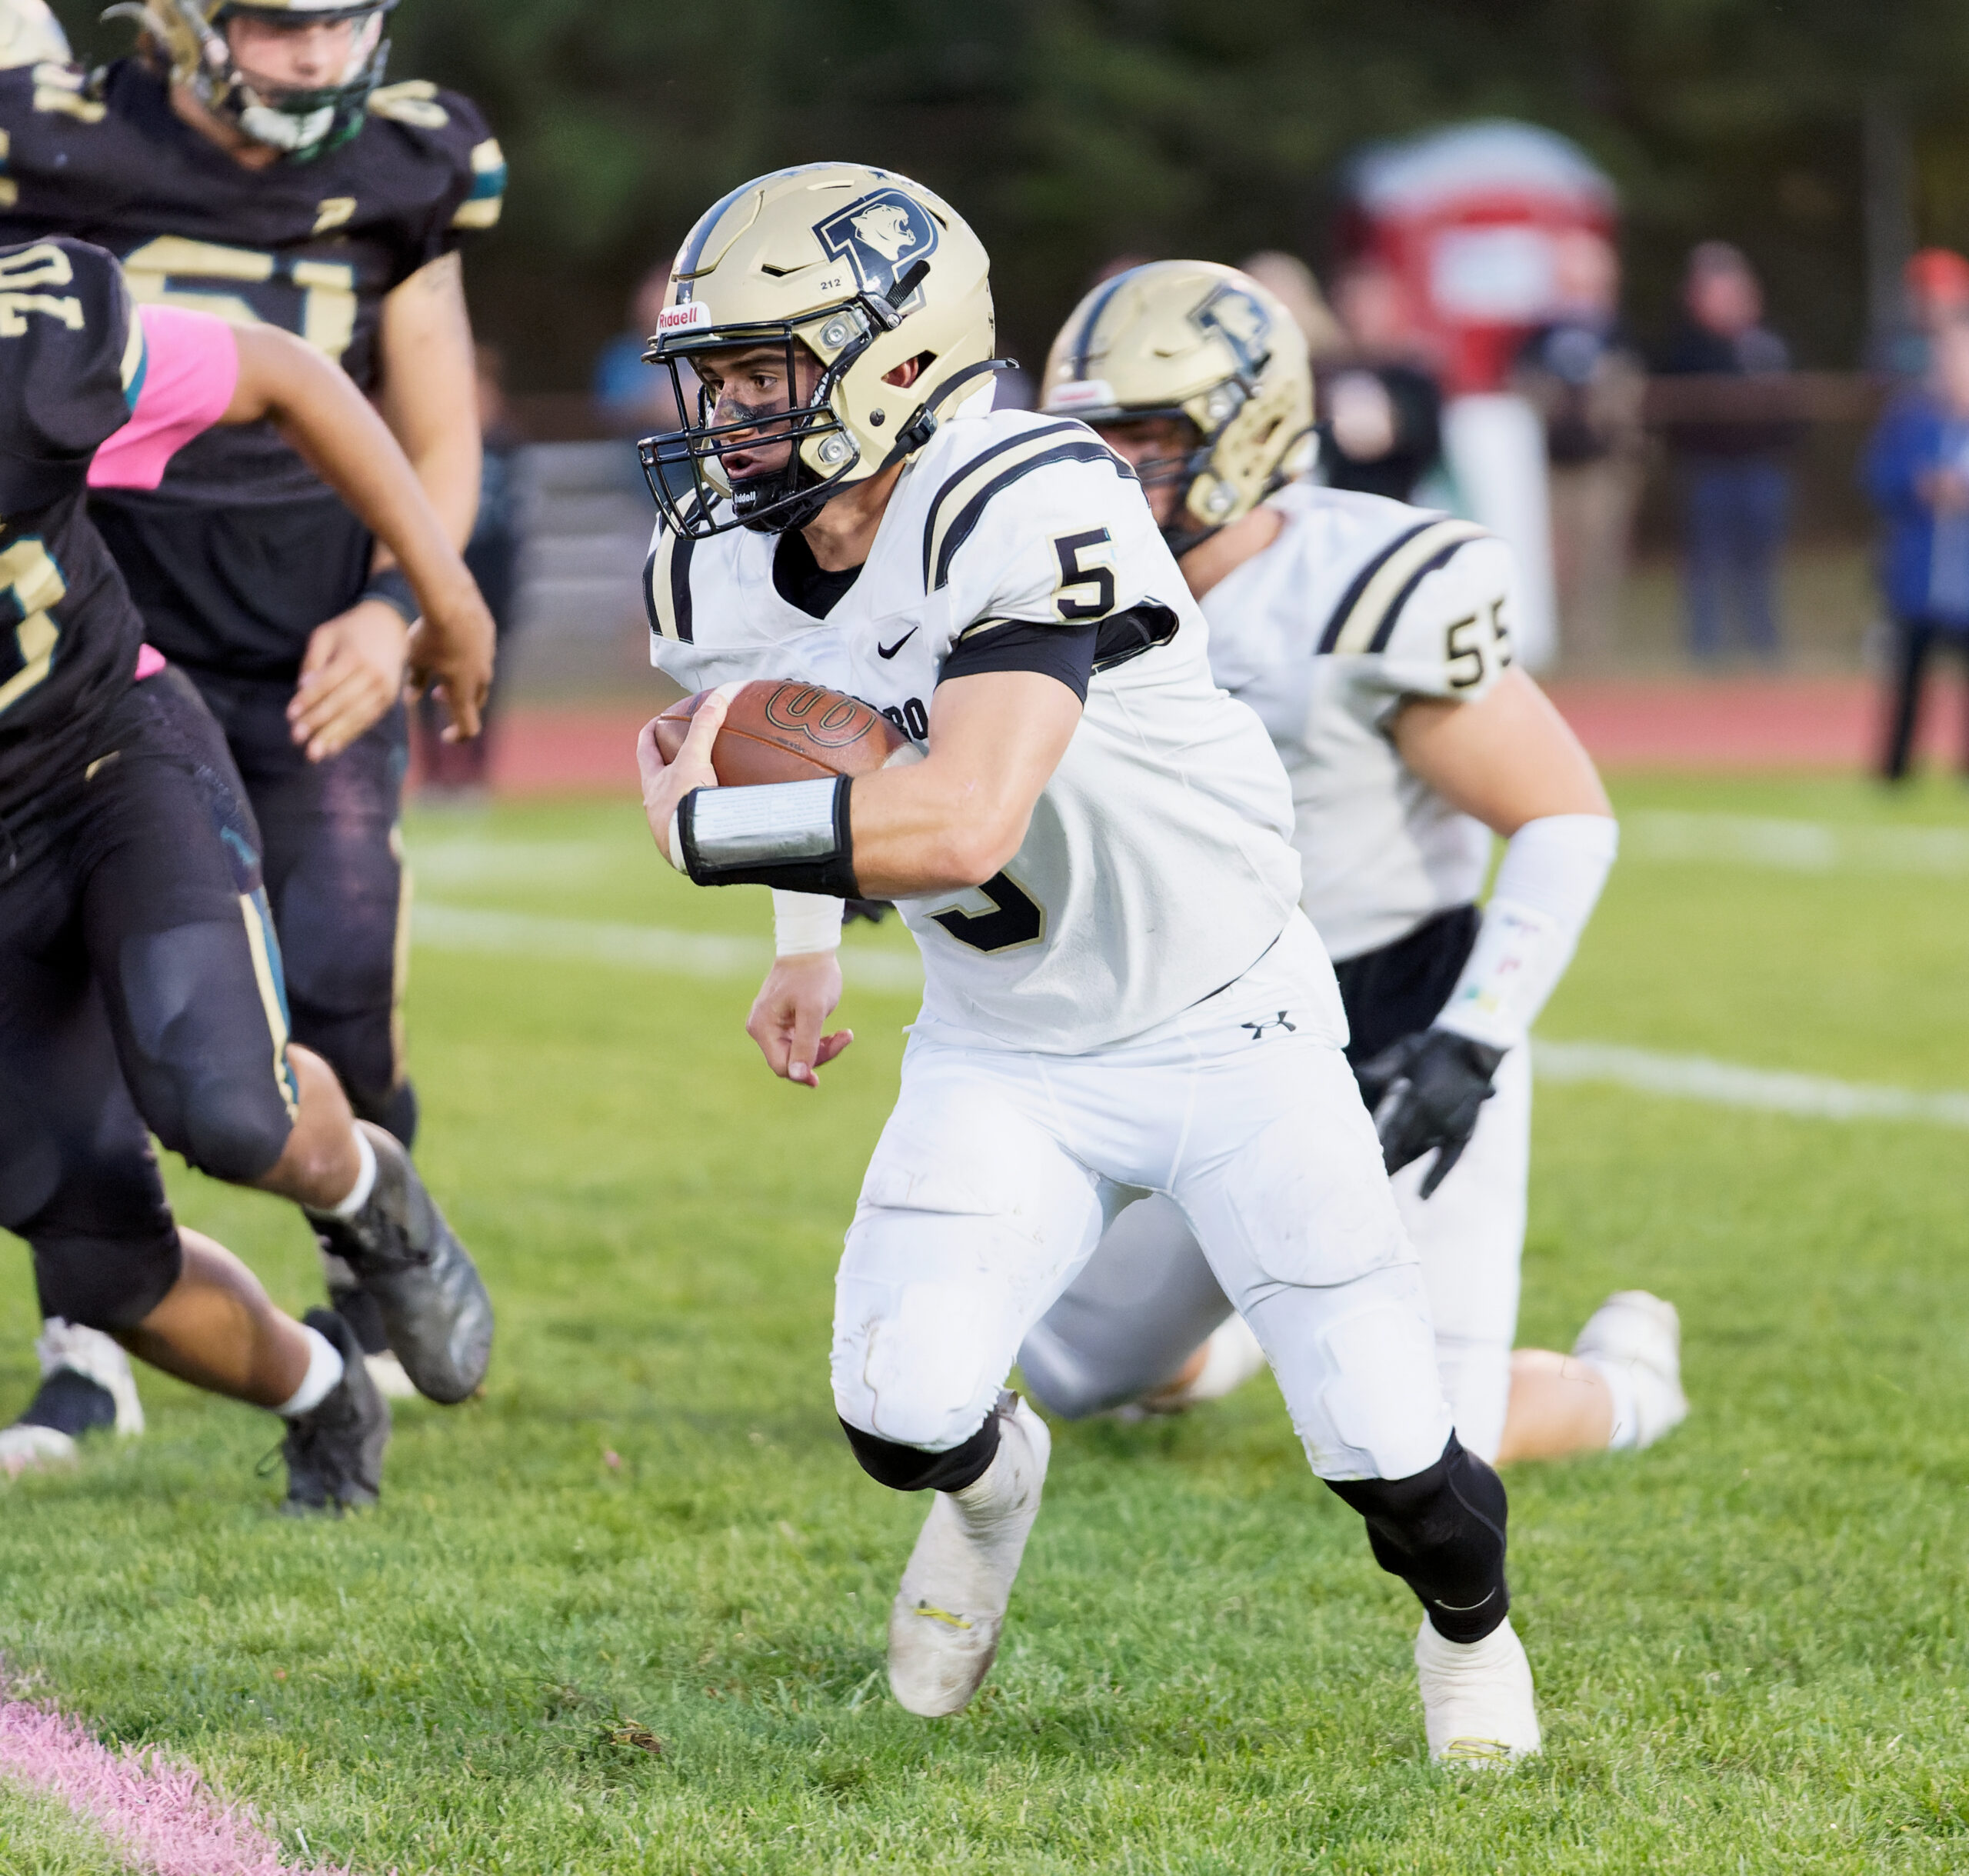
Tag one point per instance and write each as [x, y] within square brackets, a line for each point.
[890, 651]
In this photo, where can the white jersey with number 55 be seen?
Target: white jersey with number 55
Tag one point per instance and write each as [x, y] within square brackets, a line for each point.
[1157, 867]
[1361, 604]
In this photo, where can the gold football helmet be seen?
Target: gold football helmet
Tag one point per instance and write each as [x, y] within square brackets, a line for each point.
[851, 273]
[1194, 340]
[300, 123]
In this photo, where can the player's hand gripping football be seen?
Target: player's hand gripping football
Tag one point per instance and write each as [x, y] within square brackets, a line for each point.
[666, 784]
[801, 992]
[1425, 1092]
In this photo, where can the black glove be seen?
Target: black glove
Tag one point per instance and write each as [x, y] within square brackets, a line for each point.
[1425, 1092]
[875, 911]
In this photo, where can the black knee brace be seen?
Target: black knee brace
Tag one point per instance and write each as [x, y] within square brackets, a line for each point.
[1442, 1532]
[909, 1468]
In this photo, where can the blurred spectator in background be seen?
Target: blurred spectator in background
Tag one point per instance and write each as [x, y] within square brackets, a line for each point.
[1736, 483]
[637, 396]
[1382, 411]
[1934, 290]
[1291, 280]
[1917, 473]
[1586, 382]
[492, 554]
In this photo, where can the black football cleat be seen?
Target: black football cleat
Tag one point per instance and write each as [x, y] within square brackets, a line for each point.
[334, 1451]
[435, 1309]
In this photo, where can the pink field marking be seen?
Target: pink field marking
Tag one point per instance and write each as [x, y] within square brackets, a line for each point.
[159, 1813]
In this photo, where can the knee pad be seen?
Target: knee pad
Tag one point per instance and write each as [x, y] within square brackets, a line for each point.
[909, 1468]
[235, 1135]
[107, 1282]
[1442, 1532]
[204, 1058]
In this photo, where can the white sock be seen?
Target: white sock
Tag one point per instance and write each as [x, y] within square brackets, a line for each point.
[324, 1375]
[1619, 1377]
[366, 1180]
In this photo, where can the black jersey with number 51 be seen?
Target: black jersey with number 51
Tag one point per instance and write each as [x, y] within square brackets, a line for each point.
[242, 551]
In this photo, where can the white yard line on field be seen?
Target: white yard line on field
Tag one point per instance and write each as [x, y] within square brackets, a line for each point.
[1793, 846]
[1648, 1071]
[1731, 1085]
[640, 948]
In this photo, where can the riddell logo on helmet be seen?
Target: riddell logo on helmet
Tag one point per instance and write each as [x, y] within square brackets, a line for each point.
[881, 236]
[1081, 394]
[684, 318]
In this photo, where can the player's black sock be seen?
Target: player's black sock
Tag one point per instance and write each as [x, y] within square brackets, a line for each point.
[909, 1468]
[1442, 1532]
[70, 1404]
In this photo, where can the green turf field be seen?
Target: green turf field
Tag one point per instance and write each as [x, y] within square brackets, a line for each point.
[626, 1613]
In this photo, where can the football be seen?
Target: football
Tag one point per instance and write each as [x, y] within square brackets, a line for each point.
[787, 732]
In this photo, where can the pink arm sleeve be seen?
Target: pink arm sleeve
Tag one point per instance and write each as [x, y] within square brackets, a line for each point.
[191, 366]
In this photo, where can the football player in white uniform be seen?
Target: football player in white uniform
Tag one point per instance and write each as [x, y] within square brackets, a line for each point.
[1373, 638]
[1121, 994]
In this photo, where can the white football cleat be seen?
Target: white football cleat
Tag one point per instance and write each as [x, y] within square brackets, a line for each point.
[79, 1368]
[945, 1621]
[1231, 1358]
[26, 1448]
[1477, 1707]
[1640, 1334]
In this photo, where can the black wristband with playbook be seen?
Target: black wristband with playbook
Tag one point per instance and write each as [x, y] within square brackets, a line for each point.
[829, 872]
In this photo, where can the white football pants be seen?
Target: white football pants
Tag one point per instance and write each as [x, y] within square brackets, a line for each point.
[1146, 1299]
[999, 1171]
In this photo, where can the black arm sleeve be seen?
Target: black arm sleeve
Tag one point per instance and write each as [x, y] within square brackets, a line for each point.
[1065, 652]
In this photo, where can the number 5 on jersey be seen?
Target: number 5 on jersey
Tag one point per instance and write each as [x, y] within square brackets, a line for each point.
[1086, 590]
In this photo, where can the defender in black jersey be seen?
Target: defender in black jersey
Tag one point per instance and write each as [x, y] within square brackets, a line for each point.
[140, 984]
[243, 162]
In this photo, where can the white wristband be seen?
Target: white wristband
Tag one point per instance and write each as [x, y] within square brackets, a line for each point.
[1548, 884]
[805, 921]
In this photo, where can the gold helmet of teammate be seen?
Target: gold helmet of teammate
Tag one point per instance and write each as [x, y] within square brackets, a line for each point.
[31, 35]
[851, 275]
[1206, 346]
[299, 122]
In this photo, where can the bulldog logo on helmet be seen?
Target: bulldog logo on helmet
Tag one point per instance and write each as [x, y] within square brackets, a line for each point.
[883, 235]
[1242, 322]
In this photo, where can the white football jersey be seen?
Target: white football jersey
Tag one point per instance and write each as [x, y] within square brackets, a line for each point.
[1359, 604]
[1158, 866]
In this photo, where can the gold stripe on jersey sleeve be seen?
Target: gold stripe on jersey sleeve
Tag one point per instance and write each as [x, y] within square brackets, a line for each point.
[956, 495]
[1391, 577]
[482, 213]
[980, 628]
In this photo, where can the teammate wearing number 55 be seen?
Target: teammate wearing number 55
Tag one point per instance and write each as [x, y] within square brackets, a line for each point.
[1093, 853]
[140, 981]
[1374, 639]
[246, 160]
